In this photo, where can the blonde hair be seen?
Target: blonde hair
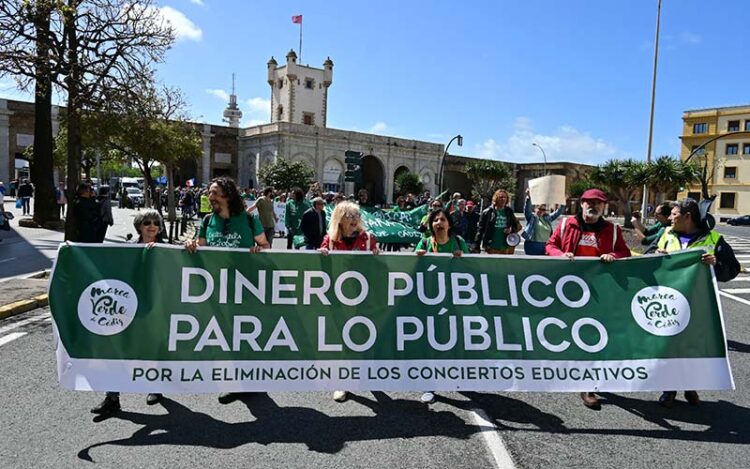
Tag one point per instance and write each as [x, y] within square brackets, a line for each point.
[348, 210]
[496, 196]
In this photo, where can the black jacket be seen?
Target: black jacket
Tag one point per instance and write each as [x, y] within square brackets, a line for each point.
[88, 220]
[486, 228]
[310, 226]
[26, 190]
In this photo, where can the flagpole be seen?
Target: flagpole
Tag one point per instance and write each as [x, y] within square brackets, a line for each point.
[300, 42]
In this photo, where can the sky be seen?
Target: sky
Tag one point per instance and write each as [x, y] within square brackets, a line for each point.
[573, 76]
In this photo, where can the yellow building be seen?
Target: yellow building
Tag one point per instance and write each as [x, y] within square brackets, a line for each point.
[726, 156]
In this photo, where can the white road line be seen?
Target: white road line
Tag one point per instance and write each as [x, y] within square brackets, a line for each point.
[8, 260]
[492, 439]
[18, 324]
[735, 298]
[736, 291]
[11, 337]
[740, 279]
[742, 256]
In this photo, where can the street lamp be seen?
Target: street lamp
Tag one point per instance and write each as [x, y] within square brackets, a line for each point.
[442, 162]
[544, 155]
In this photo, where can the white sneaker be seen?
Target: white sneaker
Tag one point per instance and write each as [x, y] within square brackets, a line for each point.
[428, 397]
[340, 396]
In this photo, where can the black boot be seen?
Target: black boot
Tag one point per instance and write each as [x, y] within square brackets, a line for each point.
[109, 405]
[153, 398]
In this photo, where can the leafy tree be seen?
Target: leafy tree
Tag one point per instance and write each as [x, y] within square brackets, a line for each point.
[667, 174]
[285, 175]
[706, 168]
[487, 176]
[408, 182]
[579, 186]
[623, 180]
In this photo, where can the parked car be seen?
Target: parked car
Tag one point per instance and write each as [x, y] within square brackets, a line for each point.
[743, 220]
[135, 197]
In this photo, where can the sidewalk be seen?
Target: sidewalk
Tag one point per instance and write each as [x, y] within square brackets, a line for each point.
[18, 295]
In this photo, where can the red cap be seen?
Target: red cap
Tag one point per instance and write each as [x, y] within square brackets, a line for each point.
[594, 194]
[470, 203]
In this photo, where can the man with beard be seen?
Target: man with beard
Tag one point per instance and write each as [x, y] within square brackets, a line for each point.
[588, 235]
[228, 226]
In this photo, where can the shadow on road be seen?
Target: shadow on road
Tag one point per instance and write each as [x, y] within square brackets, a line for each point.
[393, 418]
[735, 346]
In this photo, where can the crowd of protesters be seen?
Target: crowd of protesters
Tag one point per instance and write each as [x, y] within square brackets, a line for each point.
[250, 219]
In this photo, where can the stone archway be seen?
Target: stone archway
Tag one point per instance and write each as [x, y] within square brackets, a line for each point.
[373, 178]
[400, 170]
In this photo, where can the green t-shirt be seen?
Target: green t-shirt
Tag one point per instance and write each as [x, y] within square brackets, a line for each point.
[455, 243]
[294, 212]
[499, 238]
[543, 231]
[234, 232]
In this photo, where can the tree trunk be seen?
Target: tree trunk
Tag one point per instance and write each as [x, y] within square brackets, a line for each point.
[73, 81]
[171, 212]
[148, 186]
[41, 165]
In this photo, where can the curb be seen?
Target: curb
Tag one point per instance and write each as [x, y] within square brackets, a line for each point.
[23, 306]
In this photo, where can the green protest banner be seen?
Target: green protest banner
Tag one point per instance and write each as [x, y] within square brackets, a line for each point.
[388, 227]
[129, 318]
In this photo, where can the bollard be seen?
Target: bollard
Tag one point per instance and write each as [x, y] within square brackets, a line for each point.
[171, 232]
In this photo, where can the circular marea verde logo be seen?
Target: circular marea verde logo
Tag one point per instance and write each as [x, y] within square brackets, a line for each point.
[661, 311]
[107, 307]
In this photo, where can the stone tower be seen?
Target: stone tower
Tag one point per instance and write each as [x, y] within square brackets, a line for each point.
[299, 93]
[232, 113]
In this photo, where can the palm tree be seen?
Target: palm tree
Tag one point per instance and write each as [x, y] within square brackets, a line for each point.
[666, 175]
[623, 180]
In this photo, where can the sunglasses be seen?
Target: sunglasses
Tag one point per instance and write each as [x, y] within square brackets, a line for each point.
[149, 223]
[352, 216]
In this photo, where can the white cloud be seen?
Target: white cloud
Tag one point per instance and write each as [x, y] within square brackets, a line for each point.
[221, 94]
[258, 111]
[378, 128]
[565, 144]
[670, 42]
[198, 2]
[183, 27]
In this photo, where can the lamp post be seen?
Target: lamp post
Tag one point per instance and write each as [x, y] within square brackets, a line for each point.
[544, 155]
[644, 204]
[442, 162]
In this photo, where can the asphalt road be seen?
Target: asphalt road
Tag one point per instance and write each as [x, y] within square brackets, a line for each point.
[42, 425]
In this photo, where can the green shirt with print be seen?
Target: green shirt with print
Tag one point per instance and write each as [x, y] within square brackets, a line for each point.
[233, 232]
[499, 238]
[455, 243]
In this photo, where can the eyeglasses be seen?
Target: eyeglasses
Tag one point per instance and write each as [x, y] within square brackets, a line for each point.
[352, 216]
[149, 223]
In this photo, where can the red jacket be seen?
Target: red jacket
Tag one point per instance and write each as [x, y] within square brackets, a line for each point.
[567, 241]
[365, 242]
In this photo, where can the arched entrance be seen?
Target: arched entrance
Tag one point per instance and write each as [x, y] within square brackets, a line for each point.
[399, 171]
[373, 178]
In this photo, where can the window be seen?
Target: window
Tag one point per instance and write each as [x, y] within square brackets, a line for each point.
[700, 128]
[279, 112]
[310, 84]
[746, 148]
[727, 199]
[747, 125]
[308, 118]
[281, 83]
[732, 149]
[730, 172]
[733, 126]
[694, 195]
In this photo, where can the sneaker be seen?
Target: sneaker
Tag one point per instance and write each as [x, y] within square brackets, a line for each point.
[227, 397]
[667, 398]
[692, 398]
[153, 398]
[340, 396]
[428, 397]
[590, 400]
[109, 405]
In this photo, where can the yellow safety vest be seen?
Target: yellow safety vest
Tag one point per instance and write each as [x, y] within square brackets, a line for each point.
[670, 242]
[205, 204]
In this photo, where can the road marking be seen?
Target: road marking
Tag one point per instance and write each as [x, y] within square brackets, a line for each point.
[740, 279]
[8, 260]
[492, 439]
[735, 298]
[11, 337]
[739, 291]
[18, 324]
[742, 256]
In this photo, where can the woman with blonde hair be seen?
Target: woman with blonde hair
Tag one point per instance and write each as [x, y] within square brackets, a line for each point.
[495, 224]
[346, 232]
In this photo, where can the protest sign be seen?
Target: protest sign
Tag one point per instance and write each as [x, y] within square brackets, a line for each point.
[548, 190]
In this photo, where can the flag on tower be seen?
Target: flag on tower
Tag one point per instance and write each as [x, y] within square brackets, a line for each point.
[297, 19]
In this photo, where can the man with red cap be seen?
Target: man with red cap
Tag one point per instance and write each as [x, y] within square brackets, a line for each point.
[588, 235]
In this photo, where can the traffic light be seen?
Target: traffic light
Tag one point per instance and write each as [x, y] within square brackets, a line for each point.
[353, 160]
